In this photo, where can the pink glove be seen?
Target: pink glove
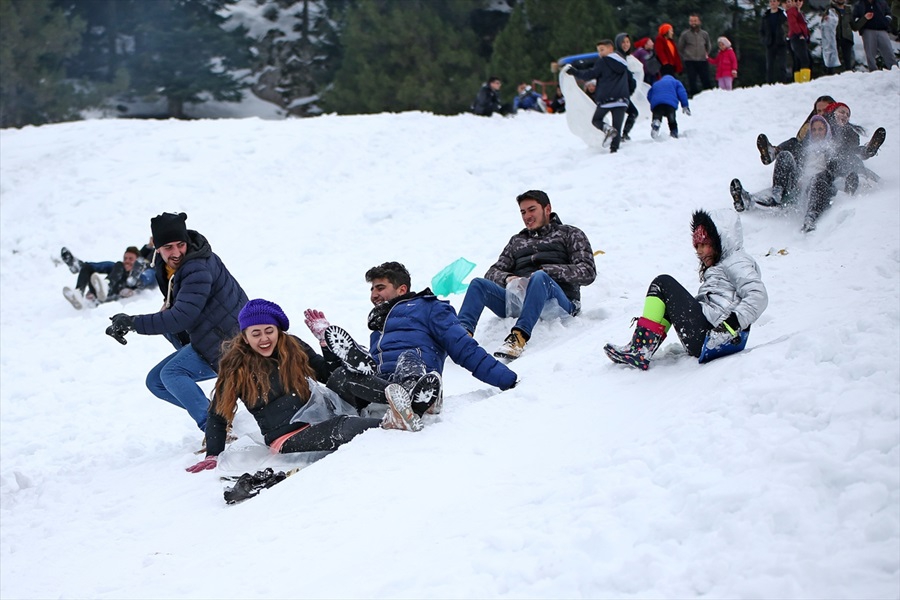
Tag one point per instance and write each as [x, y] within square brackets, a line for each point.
[317, 323]
[204, 465]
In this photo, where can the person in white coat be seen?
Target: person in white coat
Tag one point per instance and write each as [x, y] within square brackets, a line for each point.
[731, 298]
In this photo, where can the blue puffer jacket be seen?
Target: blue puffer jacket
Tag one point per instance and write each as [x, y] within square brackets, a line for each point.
[430, 325]
[204, 301]
[668, 91]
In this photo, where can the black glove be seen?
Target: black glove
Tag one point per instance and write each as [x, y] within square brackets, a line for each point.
[730, 327]
[121, 324]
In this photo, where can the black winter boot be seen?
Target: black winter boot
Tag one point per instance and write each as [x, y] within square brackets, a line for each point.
[626, 129]
[648, 335]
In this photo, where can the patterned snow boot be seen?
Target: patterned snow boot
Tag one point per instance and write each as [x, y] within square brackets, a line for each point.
[400, 414]
[648, 335]
[354, 356]
[427, 395]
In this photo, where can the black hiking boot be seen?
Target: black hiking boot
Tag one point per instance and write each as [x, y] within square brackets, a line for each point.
[249, 485]
[875, 143]
[737, 195]
[766, 150]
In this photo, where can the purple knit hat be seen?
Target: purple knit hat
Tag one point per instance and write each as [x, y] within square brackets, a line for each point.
[262, 312]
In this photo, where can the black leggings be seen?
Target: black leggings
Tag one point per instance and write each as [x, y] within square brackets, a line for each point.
[664, 111]
[682, 311]
[328, 435]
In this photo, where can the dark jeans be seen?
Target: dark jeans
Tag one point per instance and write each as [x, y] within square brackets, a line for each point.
[328, 435]
[775, 64]
[664, 111]
[682, 311]
[484, 293]
[848, 59]
[800, 52]
[694, 70]
[175, 379]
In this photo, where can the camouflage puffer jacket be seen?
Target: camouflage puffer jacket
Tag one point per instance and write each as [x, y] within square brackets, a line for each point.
[561, 251]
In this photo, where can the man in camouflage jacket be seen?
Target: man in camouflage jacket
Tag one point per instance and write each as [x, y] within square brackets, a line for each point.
[540, 272]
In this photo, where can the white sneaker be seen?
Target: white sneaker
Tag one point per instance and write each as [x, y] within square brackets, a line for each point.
[400, 414]
[74, 298]
[99, 286]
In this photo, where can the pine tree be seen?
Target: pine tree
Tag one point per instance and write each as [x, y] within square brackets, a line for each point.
[35, 40]
[183, 53]
[407, 55]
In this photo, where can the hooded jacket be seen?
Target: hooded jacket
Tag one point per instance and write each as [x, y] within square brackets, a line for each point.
[615, 83]
[562, 251]
[202, 299]
[734, 284]
[423, 322]
[668, 91]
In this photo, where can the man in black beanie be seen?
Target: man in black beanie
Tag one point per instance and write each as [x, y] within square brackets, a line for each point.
[200, 312]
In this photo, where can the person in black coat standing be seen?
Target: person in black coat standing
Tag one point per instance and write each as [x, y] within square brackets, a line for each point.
[202, 302]
[772, 34]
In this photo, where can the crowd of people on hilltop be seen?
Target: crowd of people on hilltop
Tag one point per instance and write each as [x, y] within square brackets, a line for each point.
[784, 32]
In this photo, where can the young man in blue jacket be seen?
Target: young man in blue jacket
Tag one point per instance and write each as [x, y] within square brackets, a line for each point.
[413, 333]
[202, 302]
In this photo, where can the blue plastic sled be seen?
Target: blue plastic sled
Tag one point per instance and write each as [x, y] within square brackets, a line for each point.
[708, 354]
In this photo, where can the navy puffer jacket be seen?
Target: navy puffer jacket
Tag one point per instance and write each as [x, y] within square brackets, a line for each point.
[430, 325]
[204, 301]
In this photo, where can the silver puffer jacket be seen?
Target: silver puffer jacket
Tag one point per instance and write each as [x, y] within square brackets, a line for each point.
[734, 284]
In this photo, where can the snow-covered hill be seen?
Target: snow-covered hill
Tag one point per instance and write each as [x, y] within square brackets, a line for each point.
[773, 473]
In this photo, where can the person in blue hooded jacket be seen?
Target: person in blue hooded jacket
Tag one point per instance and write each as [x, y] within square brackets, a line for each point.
[413, 333]
[664, 96]
[202, 302]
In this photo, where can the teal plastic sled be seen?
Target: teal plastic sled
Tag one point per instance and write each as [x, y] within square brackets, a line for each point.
[449, 280]
[708, 354]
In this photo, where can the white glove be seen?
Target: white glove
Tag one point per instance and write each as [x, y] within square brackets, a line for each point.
[686, 111]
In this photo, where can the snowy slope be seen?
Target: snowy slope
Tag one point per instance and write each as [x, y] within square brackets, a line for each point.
[773, 473]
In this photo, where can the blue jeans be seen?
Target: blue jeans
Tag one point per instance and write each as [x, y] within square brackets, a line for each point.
[485, 293]
[174, 380]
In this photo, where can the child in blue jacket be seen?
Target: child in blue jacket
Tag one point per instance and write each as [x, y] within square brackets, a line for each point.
[664, 97]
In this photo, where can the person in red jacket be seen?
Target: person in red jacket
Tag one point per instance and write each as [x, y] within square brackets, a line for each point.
[726, 64]
[798, 36]
[666, 50]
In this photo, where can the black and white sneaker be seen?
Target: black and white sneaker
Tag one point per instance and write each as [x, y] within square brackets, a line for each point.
[354, 356]
[654, 128]
[426, 395]
[73, 263]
